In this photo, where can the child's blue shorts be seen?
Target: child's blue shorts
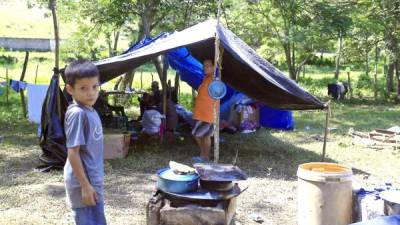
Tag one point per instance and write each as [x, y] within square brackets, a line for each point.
[91, 215]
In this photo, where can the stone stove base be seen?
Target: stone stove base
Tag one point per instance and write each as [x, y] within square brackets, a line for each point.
[163, 210]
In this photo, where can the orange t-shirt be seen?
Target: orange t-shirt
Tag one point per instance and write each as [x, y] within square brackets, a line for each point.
[204, 104]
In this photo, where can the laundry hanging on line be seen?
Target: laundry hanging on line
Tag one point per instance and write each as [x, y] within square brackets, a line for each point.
[3, 84]
[17, 85]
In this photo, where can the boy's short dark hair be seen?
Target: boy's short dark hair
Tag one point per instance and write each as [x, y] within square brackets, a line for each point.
[209, 60]
[78, 69]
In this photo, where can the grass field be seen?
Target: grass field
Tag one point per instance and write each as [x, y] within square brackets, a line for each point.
[269, 157]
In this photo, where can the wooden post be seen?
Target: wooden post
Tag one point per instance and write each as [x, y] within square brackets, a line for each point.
[176, 86]
[37, 67]
[141, 80]
[165, 87]
[7, 86]
[21, 92]
[326, 132]
[349, 82]
[53, 8]
[152, 79]
[193, 97]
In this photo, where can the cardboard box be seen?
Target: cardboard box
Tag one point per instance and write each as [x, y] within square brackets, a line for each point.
[116, 144]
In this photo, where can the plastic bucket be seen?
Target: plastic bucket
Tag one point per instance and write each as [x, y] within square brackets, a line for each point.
[324, 194]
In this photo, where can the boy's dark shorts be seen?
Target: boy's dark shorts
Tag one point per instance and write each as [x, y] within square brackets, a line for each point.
[203, 129]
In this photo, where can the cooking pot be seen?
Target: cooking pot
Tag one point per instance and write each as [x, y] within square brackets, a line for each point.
[216, 185]
[170, 181]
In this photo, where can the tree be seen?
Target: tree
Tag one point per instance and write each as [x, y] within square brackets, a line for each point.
[388, 12]
[52, 5]
[332, 20]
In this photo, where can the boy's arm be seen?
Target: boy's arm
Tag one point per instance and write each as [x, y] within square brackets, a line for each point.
[88, 192]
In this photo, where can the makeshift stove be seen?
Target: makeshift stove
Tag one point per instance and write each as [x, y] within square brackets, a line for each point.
[213, 203]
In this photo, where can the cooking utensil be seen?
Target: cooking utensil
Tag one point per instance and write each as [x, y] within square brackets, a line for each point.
[216, 185]
[170, 181]
[207, 195]
[219, 172]
[216, 89]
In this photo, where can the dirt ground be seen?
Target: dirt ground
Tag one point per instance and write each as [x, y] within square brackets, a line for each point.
[270, 158]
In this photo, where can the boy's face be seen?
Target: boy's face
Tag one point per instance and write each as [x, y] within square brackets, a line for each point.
[208, 67]
[85, 91]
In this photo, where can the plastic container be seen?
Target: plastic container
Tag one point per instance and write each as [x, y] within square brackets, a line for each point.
[324, 194]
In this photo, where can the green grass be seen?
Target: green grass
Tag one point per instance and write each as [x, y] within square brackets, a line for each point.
[269, 157]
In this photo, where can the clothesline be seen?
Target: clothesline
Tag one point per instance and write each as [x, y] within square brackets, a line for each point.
[16, 85]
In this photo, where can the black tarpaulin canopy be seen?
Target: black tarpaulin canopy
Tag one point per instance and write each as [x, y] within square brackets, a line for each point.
[242, 68]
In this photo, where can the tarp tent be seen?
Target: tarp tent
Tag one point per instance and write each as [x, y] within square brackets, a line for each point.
[242, 70]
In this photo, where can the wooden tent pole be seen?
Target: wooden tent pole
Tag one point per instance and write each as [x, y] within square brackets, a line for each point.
[164, 92]
[141, 80]
[328, 112]
[37, 67]
[216, 109]
[7, 86]
[21, 92]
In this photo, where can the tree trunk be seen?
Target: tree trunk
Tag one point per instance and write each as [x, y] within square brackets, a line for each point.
[366, 63]
[389, 78]
[159, 64]
[294, 60]
[109, 44]
[376, 73]
[288, 54]
[116, 38]
[144, 29]
[350, 87]
[339, 53]
[127, 80]
[53, 7]
[397, 68]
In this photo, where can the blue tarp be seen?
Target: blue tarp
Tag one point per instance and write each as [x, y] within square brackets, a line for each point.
[276, 119]
[191, 71]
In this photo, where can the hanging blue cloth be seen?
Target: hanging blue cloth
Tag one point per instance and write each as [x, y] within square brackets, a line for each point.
[17, 86]
[3, 84]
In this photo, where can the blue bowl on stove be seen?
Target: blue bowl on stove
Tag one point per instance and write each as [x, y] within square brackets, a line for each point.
[169, 181]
